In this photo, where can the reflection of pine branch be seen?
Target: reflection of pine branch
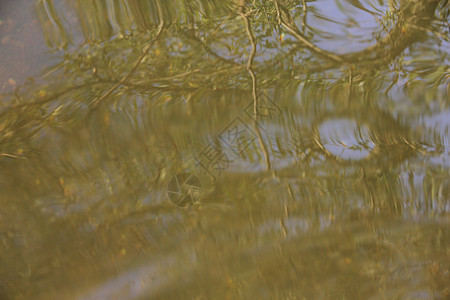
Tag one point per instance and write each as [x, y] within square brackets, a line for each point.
[138, 61]
[53, 97]
[207, 48]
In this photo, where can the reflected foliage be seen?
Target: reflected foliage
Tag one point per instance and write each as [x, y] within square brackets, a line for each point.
[87, 150]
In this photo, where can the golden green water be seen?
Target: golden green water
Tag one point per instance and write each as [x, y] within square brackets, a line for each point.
[224, 149]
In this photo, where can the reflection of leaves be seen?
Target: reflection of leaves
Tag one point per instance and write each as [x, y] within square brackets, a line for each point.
[212, 42]
[104, 173]
[197, 62]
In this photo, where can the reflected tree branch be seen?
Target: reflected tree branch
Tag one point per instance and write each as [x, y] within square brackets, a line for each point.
[207, 48]
[51, 98]
[138, 61]
[413, 17]
[249, 67]
[289, 24]
[305, 12]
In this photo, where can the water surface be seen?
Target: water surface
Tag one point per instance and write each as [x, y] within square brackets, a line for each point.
[224, 150]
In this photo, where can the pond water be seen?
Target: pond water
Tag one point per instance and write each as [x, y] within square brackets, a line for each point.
[224, 149]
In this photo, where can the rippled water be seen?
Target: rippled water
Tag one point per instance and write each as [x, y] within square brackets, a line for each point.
[224, 149]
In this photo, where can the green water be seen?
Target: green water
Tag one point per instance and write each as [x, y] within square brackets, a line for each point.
[224, 149]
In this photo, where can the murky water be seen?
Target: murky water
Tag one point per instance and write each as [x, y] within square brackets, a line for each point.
[224, 149]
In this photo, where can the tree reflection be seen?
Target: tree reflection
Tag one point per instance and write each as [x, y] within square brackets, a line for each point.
[91, 145]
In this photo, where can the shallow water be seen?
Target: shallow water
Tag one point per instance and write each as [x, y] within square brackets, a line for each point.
[224, 150]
